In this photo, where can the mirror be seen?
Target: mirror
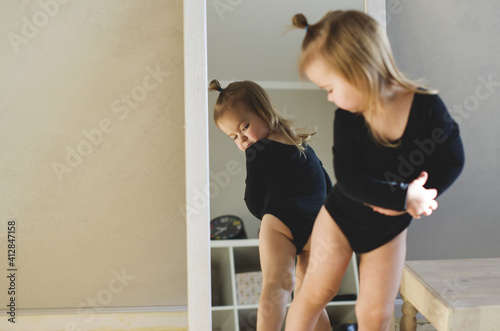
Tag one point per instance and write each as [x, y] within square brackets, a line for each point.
[253, 40]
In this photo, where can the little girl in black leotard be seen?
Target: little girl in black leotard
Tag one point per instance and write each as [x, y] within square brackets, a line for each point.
[396, 148]
[286, 186]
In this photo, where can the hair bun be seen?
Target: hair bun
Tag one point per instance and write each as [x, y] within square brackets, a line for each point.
[214, 86]
[299, 21]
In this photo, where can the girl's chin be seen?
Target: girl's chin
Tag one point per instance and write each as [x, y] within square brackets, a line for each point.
[245, 148]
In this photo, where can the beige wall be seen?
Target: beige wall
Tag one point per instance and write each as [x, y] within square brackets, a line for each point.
[92, 152]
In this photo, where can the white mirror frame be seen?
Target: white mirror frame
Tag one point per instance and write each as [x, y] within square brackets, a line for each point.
[197, 161]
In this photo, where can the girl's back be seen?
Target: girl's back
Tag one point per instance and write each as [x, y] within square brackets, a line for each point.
[286, 183]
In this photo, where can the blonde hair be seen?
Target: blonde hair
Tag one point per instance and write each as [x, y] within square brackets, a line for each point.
[254, 98]
[354, 45]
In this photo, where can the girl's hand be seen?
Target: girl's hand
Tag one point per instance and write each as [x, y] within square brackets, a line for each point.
[419, 200]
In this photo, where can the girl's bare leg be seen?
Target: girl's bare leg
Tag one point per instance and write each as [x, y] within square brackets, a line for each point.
[330, 256]
[323, 323]
[380, 275]
[277, 259]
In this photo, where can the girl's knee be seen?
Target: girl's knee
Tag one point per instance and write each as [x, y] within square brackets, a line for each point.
[277, 290]
[283, 280]
[320, 293]
[274, 296]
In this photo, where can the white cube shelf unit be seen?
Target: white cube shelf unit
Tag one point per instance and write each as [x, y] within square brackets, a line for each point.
[229, 257]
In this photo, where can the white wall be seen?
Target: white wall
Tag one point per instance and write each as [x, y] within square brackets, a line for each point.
[92, 145]
[454, 46]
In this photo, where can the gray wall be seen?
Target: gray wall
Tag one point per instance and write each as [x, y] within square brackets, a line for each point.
[454, 46]
[239, 49]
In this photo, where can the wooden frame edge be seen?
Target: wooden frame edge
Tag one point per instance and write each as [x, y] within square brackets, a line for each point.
[197, 172]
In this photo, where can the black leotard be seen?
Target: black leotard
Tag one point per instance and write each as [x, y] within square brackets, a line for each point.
[368, 173]
[283, 182]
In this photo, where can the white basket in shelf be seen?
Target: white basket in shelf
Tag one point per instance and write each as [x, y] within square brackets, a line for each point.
[249, 286]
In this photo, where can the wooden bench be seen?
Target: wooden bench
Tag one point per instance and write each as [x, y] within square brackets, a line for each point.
[453, 295]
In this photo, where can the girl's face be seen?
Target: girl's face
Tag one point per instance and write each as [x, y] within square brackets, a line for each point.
[244, 126]
[339, 90]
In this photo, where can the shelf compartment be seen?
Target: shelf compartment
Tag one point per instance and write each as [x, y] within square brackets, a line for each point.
[246, 259]
[341, 314]
[350, 282]
[247, 319]
[223, 320]
[222, 282]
